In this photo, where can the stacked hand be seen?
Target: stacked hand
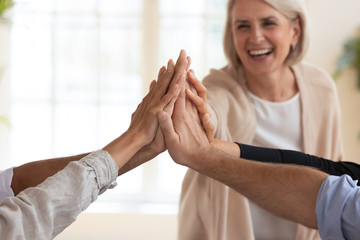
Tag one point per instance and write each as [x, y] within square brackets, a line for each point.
[180, 100]
[161, 97]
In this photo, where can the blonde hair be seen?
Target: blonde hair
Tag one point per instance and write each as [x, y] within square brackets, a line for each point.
[292, 9]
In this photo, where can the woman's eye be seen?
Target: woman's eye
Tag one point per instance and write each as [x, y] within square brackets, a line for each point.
[269, 23]
[243, 26]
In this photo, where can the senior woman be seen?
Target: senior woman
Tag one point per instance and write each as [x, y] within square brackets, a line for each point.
[265, 96]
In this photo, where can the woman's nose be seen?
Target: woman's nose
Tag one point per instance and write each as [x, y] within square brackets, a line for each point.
[256, 35]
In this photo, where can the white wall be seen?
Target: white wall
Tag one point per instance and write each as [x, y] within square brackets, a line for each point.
[332, 21]
[4, 93]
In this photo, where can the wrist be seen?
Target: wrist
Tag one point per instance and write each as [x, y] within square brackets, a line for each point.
[228, 147]
[150, 151]
[216, 143]
[203, 159]
[138, 136]
[124, 147]
[213, 160]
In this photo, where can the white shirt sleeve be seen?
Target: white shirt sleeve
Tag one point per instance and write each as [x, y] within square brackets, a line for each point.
[5, 184]
[42, 212]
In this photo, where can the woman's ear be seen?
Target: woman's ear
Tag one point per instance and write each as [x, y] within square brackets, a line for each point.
[295, 31]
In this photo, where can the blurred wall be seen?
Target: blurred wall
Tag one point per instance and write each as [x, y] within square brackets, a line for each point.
[332, 23]
[4, 94]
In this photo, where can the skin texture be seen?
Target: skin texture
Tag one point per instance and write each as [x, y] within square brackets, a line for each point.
[33, 173]
[141, 142]
[258, 26]
[287, 191]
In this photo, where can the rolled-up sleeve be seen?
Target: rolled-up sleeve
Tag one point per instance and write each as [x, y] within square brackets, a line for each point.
[337, 208]
[44, 211]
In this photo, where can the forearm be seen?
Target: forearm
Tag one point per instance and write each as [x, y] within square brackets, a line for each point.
[33, 173]
[287, 191]
[142, 156]
[228, 147]
[294, 157]
[125, 147]
[44, 211]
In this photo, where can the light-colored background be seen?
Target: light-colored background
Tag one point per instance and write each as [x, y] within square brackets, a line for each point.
[332, 23]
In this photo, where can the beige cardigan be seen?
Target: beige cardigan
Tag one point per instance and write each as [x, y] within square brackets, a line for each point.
[211, 210]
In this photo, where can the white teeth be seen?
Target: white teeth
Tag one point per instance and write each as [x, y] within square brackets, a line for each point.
[260, 52]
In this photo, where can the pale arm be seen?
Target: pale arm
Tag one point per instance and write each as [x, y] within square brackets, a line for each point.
[34, 173]
[44, 211]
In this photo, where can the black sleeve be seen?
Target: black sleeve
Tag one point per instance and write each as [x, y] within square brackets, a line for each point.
[298, 158]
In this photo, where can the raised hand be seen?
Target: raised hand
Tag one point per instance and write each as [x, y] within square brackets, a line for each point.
[143, 140]
[200, 101]
[160, 95]
[182, 65]
[184, 136]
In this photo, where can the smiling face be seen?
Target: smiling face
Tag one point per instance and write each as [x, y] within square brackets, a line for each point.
[262, 36]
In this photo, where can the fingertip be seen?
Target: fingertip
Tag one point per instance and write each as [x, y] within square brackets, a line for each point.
[170, 64]
[207, 118]
[191, 76]
[162, 69]
[189, 92]
[182, 52]
[189, 60]
[152, 84]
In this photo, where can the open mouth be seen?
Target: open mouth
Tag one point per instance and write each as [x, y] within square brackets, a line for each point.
[261, 52]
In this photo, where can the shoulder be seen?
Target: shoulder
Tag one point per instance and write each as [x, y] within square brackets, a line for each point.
[313, 76]
[225, 83]
[226, 77]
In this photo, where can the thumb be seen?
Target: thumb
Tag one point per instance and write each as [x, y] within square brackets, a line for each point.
[167, 128]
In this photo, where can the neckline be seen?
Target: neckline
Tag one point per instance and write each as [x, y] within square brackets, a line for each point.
[289, 101]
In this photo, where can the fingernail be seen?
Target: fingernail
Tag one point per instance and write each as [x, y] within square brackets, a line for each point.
[191, 74]
[189, 91]
[162, 69]
[169, 65]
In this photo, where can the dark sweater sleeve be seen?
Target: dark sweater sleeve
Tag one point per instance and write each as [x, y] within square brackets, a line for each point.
[298, 158]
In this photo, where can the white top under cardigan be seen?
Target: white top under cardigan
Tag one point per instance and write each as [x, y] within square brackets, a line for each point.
[212, 211]
[273, 132]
